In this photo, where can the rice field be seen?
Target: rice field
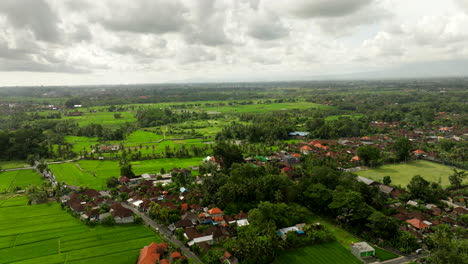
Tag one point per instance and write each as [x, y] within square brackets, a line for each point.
[10, 180]
[13, 164]
[47, 234]
[102, 118]
[401, 174]
[94, 173]
[329, 253]
[261, 108]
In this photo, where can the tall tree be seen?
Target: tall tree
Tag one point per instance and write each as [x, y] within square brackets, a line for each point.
[227, 154]
[402, 148]
[457, 177]
[369, 154]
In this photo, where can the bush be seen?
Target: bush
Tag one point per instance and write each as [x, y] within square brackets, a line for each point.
[108, 221]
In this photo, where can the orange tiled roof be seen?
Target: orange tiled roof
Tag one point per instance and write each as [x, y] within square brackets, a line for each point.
[176, 255]
[149, 255]
[417, 223]
[215, 210]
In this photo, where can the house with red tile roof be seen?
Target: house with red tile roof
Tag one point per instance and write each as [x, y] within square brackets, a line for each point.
[215, 212]
[419, 152]
[176, 255]
[305, 150]
[152, 253]
[418, 224]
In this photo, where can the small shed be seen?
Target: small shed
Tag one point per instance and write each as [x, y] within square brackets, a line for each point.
[362, 249]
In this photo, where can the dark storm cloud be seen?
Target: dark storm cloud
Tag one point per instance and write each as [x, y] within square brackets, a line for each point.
[148, 17]
[12, 54]
[267, 28]
[35, 15]
[326, 8]
[32, 66]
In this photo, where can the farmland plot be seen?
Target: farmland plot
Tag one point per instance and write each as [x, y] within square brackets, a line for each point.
[47, 234]
[9, 180]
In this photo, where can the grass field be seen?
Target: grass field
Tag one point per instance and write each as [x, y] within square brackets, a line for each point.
[336, 117]
[384, 255]
[401, 174]
[260, 108]
[329, 253]
[102, 118]
[9, 180]
[47, 234]
[13, 164]
[81, 143]
[94, 173]
[71, 174]
[336, 252]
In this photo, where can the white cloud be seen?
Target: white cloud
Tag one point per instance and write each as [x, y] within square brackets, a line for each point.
[182, 39]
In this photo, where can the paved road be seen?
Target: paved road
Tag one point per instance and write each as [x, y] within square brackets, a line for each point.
[33, 168]
[163, 230]
[22, 168]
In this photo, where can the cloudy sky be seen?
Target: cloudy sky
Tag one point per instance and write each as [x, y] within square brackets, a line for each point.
[66, 42]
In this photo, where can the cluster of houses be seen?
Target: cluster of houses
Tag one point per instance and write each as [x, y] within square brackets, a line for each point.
[159, 253]
[96, 206]
[345, 150]
[419, 219]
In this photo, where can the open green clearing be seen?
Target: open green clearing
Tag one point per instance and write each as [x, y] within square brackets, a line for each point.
[401, 174]
[329, 253]
[5, 165]
[260, 108]
[336, 117]
[47, 234]
[9, 180]
[102, 118]
[335, 252]
[94, 173]
[81, 143]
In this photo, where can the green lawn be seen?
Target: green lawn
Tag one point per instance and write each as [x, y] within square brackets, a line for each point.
[260, 108]
[9, 180]
[47, 234]
[384, 255]
[336, 117]
[140, 136]
[81, 143]
[4, 165]
[102, 118]
[72, 175]
[401, 174]
[329, 253]
[94, 173]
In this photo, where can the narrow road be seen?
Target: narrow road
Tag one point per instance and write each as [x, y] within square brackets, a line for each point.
[33, 167]
[163, 230]
[22, 168]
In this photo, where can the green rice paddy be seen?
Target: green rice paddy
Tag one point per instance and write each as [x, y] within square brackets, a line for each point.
[329, 253]
[9, 180]
[93, 173]
[47, 234]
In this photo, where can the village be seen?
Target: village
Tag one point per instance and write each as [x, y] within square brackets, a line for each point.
[178, 210]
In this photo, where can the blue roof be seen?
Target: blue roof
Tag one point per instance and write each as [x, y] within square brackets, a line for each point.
[182, 189]
[298, 133]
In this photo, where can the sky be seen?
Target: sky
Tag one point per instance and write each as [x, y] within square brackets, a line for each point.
[81, 42]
